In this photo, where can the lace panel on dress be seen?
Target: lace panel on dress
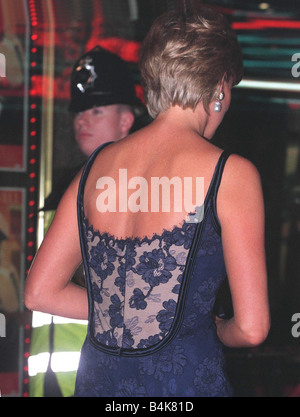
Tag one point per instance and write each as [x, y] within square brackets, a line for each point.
[136, 285]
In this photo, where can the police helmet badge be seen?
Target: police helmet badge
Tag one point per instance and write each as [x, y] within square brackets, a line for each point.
[85, 74]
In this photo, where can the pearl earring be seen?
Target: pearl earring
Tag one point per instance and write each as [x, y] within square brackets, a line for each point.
[218, 104]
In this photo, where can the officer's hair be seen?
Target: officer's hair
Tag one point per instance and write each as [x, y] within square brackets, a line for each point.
[184, 57]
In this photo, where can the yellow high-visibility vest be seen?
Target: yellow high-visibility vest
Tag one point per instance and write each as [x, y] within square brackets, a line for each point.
[62, 359]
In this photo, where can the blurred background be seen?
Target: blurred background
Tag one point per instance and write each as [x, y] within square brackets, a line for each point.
[40, 40]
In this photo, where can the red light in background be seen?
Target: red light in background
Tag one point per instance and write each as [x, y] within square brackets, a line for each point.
[139, 92]
[127, 50]
[260, 24]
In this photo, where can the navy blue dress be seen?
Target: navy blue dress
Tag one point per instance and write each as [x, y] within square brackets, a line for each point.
[151, 328]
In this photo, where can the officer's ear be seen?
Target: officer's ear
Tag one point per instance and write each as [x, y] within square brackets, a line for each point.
[127, 120]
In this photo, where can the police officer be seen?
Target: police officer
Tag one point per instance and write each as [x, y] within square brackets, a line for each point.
[105, 107]
[103, 97]
[104, 104]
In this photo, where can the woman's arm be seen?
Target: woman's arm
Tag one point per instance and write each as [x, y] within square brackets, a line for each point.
[48, 287]
[241, 212]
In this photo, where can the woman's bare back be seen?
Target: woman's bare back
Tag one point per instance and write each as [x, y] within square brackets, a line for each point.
[140, 162]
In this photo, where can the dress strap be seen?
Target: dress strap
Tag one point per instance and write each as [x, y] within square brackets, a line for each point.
[215, 184]
[216, 181]
[85, 174]
[80, 219]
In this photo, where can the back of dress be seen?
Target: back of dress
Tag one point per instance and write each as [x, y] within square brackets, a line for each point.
[151, 328]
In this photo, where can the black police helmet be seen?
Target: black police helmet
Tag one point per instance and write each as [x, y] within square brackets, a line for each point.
[100, 78]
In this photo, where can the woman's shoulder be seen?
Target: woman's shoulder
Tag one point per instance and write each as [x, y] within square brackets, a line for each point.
[240, 186]
[239, 169]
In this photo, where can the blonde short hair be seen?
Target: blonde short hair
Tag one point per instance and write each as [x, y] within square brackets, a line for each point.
[184, 57]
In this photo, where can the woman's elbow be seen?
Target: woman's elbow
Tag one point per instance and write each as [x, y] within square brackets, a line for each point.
[256, 336]
[32, 299]
[29, 301]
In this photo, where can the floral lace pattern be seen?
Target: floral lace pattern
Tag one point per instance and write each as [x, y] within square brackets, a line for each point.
[136, 285]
